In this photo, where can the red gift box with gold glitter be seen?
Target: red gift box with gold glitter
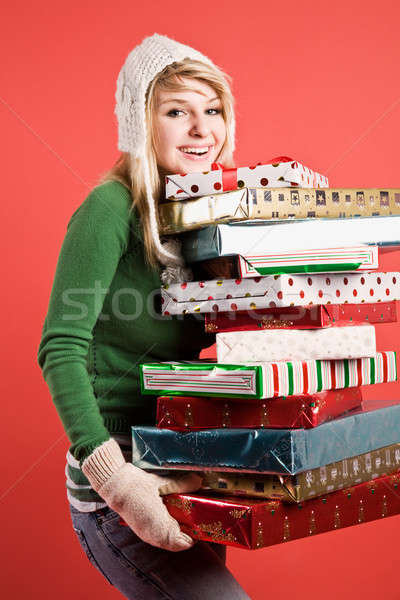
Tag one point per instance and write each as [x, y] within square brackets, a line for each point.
[253, 524]
[185, 413]
[299, 317]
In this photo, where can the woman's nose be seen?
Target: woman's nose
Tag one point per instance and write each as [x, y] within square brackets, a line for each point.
[199, 125]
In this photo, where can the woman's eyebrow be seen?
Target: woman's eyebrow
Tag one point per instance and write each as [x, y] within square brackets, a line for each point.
[182, 101]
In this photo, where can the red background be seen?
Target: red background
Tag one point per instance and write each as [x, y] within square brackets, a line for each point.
[315, 82]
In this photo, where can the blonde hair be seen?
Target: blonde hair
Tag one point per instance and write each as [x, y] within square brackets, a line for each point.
[128, 170]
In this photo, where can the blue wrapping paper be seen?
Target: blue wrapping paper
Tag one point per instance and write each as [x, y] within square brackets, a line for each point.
[275, 451]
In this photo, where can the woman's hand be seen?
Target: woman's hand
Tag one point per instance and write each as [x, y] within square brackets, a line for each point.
[136, 496]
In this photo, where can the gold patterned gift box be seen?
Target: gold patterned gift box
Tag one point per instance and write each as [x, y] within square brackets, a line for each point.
[253, 523]
[309, 484]
[277, 203]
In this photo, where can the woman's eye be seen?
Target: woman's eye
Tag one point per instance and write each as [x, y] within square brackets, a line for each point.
[176, 112]
[173, 112]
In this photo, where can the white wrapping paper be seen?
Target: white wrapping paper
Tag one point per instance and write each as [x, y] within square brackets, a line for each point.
[279, 290]
[290, 344]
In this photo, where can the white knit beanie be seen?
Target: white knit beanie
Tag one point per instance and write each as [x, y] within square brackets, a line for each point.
[143, 63]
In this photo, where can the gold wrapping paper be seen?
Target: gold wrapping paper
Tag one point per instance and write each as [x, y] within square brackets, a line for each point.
[309, 484]
[277, 203]
[193, 213]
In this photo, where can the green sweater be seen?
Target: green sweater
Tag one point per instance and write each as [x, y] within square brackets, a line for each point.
[102, 323]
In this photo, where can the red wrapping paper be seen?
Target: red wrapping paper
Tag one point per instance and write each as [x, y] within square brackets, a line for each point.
[298, 317]
[256, 524]
[184, 413]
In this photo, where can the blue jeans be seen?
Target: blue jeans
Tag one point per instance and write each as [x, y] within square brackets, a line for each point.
[141, 571]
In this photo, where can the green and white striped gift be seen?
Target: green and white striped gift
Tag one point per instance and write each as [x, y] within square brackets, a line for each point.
[266, 380]
[318, 260]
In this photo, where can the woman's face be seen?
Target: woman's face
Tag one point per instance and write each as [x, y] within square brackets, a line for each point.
[189, 129]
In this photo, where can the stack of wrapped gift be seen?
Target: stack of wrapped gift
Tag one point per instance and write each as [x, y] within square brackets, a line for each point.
[277, 423]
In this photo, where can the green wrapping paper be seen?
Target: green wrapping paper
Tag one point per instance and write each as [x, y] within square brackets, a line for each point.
[265, 380]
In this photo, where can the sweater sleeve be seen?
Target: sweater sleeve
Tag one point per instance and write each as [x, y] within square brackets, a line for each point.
[97, 237]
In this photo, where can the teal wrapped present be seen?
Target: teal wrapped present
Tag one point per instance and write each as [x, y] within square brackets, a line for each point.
[275, 451]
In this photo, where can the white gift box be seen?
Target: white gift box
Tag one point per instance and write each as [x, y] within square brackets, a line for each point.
[290, 344]
[279, 290]
[283, 173]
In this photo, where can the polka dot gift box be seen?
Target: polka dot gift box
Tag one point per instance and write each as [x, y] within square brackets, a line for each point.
[280, 172]
[272, 291]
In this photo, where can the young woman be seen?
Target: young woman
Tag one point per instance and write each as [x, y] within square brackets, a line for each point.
[175, 114]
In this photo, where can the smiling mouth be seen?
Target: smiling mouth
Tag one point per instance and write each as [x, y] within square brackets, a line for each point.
[195, 153]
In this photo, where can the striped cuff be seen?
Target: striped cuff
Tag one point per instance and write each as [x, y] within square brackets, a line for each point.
[102, 463]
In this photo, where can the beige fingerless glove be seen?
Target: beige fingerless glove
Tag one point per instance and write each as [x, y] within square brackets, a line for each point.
[136, 495]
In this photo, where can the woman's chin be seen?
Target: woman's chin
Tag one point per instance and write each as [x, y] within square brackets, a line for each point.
[198, 166]
[187, 166]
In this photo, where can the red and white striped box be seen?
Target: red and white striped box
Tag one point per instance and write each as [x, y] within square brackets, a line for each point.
[265, 380]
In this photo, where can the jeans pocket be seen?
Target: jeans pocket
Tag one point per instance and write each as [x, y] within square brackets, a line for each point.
[83, 542]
